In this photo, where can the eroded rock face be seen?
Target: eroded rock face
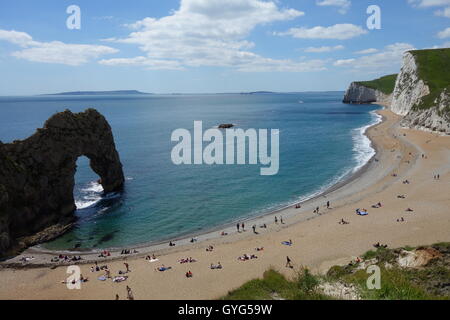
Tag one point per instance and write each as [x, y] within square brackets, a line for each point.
[37, 176]
[409, 88]
[359, 94]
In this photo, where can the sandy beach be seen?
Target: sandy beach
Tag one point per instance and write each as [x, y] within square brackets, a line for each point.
[319, 241]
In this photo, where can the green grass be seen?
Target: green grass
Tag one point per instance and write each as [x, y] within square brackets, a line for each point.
[396, 283]
[274, 285]
[384, 84]
[434, 70]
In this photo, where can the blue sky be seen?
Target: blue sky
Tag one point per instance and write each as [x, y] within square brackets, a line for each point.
[205, 46]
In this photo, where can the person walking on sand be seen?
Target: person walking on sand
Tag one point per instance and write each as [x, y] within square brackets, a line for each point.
[276, 220]
[328, 204]
[288, 263]
[129, 294]
[127, 266]
[281, 220]
[237, 227]
[243, 227]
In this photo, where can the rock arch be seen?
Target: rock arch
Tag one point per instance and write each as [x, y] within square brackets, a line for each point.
[37, 176]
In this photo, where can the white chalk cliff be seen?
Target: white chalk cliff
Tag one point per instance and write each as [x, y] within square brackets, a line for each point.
[360, 94]
[407, 99]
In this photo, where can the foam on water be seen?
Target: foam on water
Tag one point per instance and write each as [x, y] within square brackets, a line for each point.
[89, 196]
[362, 145]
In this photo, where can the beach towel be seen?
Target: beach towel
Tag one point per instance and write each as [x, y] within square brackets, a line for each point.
[102, 278]
[119, 279]
[164, 269]
[153, 260]
[286, 243]
[362, 213]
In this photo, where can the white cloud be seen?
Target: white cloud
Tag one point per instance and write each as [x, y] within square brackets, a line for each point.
[343, 5]
[367, 51]
[433, 3]
[338, 31]
[443, 13]
[444, 34]
[209, 33]
[55, 51]
[443, 45]
[324, 49]
[387, 60]
[429, 3]
[344, 62]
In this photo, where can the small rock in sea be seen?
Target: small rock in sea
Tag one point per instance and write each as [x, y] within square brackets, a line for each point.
[226, 126]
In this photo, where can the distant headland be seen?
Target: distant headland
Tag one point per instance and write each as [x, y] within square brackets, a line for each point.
[91, 93]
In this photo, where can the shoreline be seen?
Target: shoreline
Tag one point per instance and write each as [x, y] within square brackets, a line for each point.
[319, 241]
[183, 240]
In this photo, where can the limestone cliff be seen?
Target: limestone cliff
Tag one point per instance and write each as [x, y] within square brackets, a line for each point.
[37, 176]
[420, 92]
[358, 93]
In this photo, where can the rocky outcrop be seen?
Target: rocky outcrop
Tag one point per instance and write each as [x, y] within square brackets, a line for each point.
[37, 176]
[423, 106]
[409, 91]
[435, 119]
[409, 88]
[360, 94]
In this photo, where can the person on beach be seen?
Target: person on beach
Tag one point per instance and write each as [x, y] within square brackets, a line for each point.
[281, 220]
[171, 244]
[129, 294]
[243, 227]
[276, 220]
[237, 227]
[288, 263]
[117, 297]
[328, 204]
[127, 266]
[254, 229]
[189, 274]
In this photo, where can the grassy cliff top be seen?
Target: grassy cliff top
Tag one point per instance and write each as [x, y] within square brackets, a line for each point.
[434, 70]
[397, 282]
[384, 84]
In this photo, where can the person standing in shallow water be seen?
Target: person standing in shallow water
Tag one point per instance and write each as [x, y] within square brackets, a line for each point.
[237, 227]
[243, 227]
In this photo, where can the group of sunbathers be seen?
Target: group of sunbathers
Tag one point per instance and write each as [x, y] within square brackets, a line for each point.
[128, 251]
[62, 258]
[377, 206]
[187, 260]
[245, 257]
[378, 245]
[216, 266]
[104, 254]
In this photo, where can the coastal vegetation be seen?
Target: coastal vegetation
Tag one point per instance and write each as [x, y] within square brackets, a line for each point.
[434, 70]
[428, 280]
[384, 84]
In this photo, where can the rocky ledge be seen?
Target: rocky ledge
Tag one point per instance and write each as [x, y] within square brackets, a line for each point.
[37, 176]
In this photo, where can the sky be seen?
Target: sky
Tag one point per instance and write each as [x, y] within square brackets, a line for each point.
[210, 46]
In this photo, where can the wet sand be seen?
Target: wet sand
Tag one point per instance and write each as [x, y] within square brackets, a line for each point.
[318, 240]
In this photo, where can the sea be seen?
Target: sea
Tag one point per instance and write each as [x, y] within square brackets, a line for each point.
[321, 142]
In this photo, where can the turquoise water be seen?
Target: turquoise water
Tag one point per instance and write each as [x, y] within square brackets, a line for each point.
[321, 141]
